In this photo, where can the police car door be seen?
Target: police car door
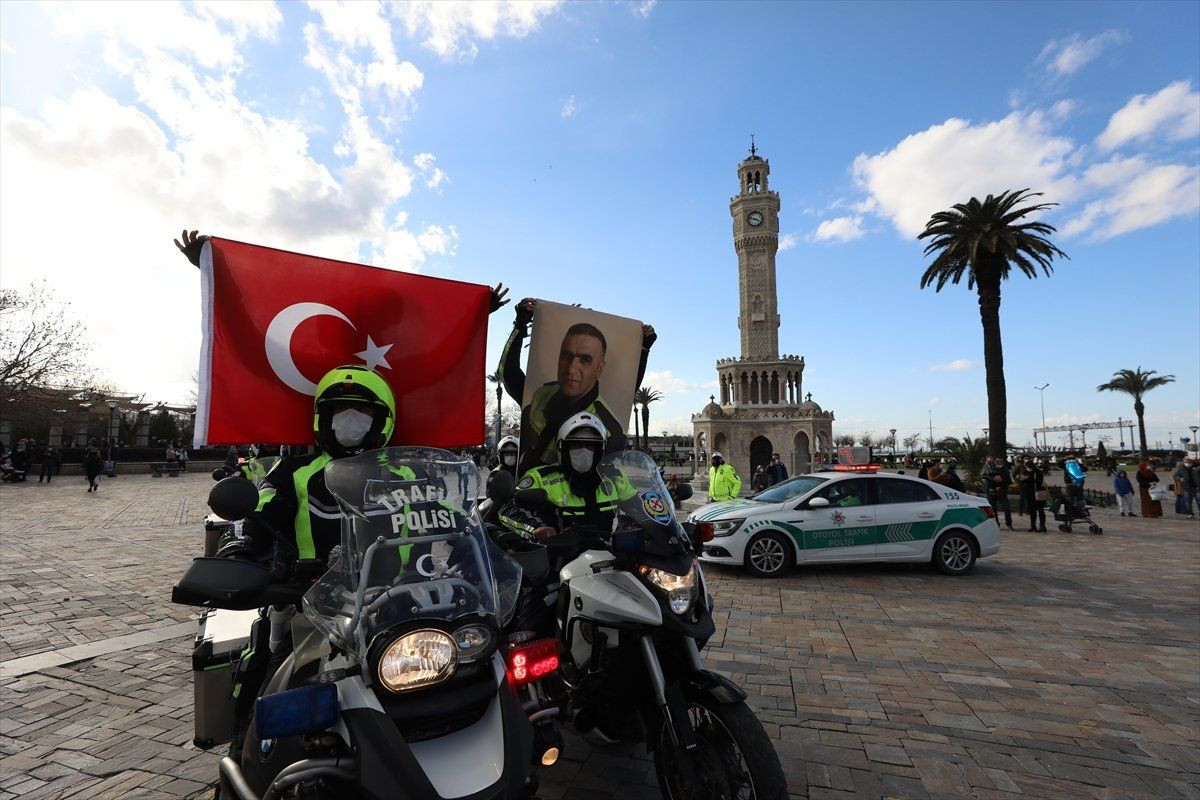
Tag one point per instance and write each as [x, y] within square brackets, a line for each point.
[844, 530]
[906, 517]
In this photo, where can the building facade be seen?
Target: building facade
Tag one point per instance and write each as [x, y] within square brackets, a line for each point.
[760, 409]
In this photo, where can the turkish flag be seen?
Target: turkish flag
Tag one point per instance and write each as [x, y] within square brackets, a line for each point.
[275, 322]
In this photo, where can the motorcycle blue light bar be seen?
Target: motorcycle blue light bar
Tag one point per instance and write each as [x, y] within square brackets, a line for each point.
[304, 710]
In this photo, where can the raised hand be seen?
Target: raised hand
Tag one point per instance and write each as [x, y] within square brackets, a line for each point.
[191, 245]
[497, 300]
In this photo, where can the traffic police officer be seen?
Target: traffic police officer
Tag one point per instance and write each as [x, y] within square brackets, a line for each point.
[723, 482]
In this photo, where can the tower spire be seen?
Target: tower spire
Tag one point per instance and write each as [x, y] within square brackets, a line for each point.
[753, 149]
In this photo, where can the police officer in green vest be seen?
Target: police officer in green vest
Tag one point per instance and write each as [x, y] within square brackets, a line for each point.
[723, 482]
[578, 491]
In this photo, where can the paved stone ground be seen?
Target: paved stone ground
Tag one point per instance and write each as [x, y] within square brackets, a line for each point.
[1066, 667]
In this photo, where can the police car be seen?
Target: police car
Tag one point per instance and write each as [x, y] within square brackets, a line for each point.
[850, 514]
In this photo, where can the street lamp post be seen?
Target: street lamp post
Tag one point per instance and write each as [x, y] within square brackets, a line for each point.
[1042, 392]
[1195, 442]
[931, 430]
[112, 422]
[893, 432]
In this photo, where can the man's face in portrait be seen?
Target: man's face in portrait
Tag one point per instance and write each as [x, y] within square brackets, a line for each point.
[580, 364]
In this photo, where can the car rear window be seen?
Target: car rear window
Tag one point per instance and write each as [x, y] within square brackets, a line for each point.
[895, 490]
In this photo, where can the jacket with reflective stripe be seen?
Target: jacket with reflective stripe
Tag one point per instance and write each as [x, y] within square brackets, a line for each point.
[293, 496]
[594, 512]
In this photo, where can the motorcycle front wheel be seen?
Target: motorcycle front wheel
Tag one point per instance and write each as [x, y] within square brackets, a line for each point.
[733, 760]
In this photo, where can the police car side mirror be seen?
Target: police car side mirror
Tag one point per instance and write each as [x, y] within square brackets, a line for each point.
[683, 492]
[817, 502]
[532, 497]
[500, 487]
[233, 498]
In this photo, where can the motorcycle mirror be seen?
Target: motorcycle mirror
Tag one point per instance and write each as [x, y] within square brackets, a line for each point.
[500, 487]
[233, 498]
[532, 497]
[683, 492]
[220, 473]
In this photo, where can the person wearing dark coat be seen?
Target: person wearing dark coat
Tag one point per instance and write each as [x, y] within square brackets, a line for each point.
[1031, 482]
[1146, 478]
[93, 464]
[776, 471]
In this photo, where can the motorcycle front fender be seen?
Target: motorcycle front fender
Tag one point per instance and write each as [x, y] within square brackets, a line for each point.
[703, 683]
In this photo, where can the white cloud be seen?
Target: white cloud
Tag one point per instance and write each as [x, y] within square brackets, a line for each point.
[958, 365]
[434, 176]
[187, 149]
[1068, 56]
[450, 27]
[1141, 195]
[839, 229]
[644, 8]
[787, 241]
[1173, 113]
[5, 47]
[951, 162]
[668, 383]
[568, 108]
[933, 401]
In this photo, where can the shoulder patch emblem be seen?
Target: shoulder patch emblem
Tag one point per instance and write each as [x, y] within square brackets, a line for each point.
[525, 483]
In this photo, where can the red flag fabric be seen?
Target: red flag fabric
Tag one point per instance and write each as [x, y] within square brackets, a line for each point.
[275, 322]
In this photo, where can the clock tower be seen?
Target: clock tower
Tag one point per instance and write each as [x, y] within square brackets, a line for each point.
[761, 409]
[755, 212]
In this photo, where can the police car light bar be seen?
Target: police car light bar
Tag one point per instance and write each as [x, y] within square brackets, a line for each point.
[857, 467]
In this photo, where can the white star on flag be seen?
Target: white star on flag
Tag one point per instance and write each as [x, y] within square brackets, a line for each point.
[375, 355]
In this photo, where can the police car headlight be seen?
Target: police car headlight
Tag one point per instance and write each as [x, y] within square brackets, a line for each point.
[680, 589]
[726, 527]
[418, 659]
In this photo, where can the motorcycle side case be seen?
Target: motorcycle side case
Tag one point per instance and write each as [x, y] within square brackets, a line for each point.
[222, 636]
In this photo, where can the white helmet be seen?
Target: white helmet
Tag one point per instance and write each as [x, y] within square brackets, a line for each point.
[718, 455]
[508, 441]
[582, 427]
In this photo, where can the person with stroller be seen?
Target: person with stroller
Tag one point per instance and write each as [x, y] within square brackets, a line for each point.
[1074, 477]
[1032, 483]
[1124, 489]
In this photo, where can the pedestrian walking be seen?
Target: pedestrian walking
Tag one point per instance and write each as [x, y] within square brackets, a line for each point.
[997, 478]
[182, 455]
[776, 471]
[1185, 487]
[1124, 489]
[1034, 495]
[49, 456]
[92, 465]
[1147, 479]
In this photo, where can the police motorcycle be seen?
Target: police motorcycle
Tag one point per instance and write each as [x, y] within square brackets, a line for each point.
[217, 529]
[396, 685]
[632, 615]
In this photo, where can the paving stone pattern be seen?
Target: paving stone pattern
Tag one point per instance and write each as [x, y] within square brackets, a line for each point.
[1066, 667]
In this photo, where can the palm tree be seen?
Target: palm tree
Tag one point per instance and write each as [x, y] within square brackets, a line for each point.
[968, 453]
[984, 241]
[644, 396]
[1135, 383]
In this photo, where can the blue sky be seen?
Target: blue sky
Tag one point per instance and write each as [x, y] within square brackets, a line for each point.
[587, 153]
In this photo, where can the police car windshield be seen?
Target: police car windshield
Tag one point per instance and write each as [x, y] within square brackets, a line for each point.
[789, 489]
[412, 546]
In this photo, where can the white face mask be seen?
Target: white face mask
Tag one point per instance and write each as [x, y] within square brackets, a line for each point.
[508, 459]
[350, 426]
[581, 459]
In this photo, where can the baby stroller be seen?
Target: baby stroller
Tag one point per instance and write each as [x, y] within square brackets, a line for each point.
[1067, 505]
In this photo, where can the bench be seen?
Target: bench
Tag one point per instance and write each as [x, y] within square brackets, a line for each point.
[171, 469]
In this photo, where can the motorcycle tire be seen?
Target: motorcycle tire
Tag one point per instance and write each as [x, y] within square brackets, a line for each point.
[709, 774]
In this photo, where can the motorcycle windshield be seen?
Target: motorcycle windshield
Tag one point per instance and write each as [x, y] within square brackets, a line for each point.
[640, 486]
[413, 547]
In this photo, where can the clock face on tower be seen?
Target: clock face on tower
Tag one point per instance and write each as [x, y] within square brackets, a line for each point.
[755, 219]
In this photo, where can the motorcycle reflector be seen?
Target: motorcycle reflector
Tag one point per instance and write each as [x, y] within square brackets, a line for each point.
[303, 710]
[531, 661]
[706, 531]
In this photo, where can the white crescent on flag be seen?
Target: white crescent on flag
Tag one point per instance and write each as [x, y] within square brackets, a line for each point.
[278, 342]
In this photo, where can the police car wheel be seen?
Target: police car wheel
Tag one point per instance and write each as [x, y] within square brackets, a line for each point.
[769, 555]
[954, 553]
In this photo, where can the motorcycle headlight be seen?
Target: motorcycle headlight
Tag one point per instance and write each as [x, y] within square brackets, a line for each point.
[472, 641]
[680, 589]
[726, 527]
[418, 659]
